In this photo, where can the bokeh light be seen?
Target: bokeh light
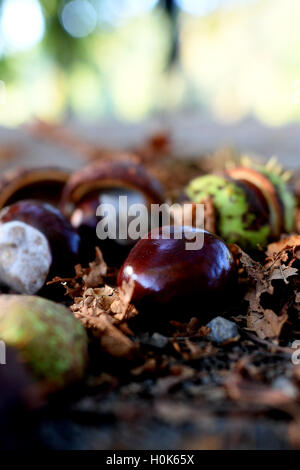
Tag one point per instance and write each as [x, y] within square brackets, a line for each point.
[93, 59]
[205, 7]
[21, 25]
[199, 7]
[116, 11]
[79, 18]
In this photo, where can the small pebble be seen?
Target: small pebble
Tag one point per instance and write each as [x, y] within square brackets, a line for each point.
[222, 330]
[285, 386]
[157, 340]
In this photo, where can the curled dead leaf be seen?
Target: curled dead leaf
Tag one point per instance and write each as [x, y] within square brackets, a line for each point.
[101, 308]
[262, 290]
[266, 324]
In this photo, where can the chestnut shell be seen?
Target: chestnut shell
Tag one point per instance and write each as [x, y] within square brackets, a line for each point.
[264, 186]
[63, 239]
[169, 277]
[44, 184]
[82, 192]
[110, 174]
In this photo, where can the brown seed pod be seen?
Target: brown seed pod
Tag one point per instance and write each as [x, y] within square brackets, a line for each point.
[43, 184]
[110, 174]
[104, 182]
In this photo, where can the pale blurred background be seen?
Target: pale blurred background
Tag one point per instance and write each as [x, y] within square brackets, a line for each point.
[131, 58]
[233, 63]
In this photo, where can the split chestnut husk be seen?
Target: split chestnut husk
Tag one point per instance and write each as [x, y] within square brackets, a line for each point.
[101, 183]
[42, 184]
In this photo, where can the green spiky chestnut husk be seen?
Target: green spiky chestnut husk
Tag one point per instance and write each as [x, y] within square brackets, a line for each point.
[50, 340]
[235, 218]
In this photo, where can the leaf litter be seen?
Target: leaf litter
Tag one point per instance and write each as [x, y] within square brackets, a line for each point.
[179, 368]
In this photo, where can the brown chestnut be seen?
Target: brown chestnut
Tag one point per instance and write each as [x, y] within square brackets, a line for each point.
[36, 243]
[43, 184]
[172, 278]
[103, 183]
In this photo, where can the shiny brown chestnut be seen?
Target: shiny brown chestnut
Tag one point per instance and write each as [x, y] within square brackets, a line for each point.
[36, 243]
[43, 184]
[170, 278]
[103, 182]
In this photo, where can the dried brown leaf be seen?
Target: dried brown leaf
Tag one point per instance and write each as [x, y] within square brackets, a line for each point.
[113, 340]
[283, 273]
[261, 319]
[121, 307]
[282, 246]
[95, 274]
[101, 308]
[266, 324]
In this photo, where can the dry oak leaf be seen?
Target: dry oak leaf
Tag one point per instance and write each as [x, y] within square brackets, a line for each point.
[263, 321]
[283, 258]
[282, 273]
[274, 267]
[95, 274]
[257, 275]
[93, 302]
[292, 242]
[102, 309]
[266, 324]
[84, 278]
[94, 310]
[121, 307]
[113, 340]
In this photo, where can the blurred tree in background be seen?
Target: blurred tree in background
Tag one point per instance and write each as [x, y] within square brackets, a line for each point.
[130, 58]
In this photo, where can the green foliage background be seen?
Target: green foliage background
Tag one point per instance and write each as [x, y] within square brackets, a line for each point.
[237, 61]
